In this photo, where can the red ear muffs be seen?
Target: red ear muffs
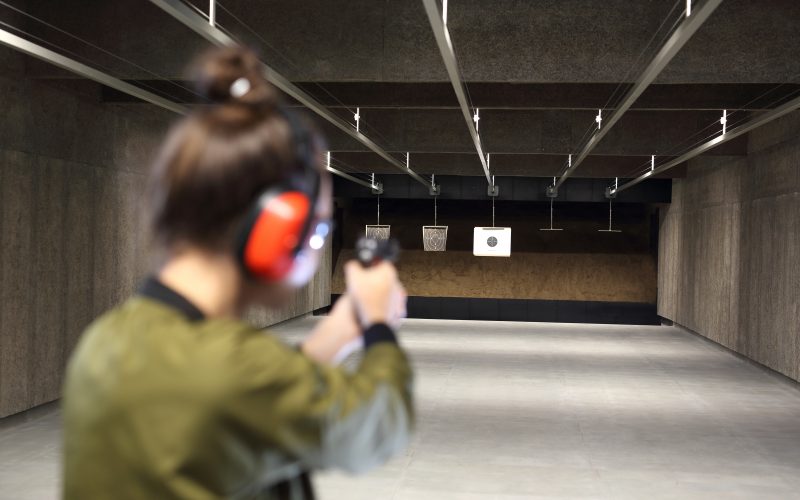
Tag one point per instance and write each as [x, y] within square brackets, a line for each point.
[273, 233]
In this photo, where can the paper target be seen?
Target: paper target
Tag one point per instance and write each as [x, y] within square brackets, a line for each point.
[434, 238]
[378, 232]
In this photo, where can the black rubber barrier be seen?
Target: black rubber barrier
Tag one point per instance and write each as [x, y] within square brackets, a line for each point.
[550, 311]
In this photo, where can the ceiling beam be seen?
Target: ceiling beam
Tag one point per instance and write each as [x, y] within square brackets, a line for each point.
[56, 59]
[735, 132]
[676, 41]
[640, 133]
[501, 95]
[451, 64]
[85, 71]
[506, 165]
[199, 25]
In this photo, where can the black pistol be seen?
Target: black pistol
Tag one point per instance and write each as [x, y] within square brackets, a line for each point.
[370, 251]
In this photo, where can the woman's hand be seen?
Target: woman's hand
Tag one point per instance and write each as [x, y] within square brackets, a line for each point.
[378, 295]
[374, 295]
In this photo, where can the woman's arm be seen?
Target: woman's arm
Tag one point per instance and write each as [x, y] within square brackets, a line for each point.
[335, 336]
[320, 415]
[339, 333]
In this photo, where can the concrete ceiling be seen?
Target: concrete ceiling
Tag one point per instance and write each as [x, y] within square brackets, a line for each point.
[537, 69]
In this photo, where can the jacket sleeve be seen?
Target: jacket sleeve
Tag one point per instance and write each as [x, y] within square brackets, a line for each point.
[323, 416]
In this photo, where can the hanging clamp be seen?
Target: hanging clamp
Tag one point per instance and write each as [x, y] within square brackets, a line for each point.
[377, 187]
[724, 121]
[434, 189]
[611, 192]
[494, 189]
[552, 191]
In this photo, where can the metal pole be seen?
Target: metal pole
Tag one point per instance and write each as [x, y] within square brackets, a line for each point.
[609, 230]
[729, 135]
[682, 34]
[442, 35]
[193, 21]
[212, 12]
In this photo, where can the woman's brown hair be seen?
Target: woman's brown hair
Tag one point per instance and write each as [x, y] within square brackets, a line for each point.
[217, 160]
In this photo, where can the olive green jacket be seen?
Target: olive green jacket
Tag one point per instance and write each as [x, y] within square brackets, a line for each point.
[160, 403]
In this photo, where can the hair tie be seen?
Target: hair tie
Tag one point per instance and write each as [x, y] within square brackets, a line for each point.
[240, 87]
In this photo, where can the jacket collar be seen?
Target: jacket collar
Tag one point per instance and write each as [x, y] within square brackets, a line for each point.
[155, 290]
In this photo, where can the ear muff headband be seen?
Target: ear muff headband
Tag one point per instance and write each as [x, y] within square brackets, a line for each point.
[277, 227]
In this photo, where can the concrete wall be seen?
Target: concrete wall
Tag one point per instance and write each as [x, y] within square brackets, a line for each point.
[730, 247]
[314, 296]
[72, 172]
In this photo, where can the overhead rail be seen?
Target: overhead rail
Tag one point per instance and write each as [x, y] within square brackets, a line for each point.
[442, 35]
[39, 52]
[673, 45]
[728, 135]
[186, 16]
[376, 187]
[63, 62]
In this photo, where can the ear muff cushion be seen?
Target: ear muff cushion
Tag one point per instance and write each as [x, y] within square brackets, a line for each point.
[275, 235]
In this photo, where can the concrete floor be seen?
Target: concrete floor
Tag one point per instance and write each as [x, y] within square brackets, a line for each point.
[522, 410]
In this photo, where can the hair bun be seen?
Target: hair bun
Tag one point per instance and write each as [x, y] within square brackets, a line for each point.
[233, 75]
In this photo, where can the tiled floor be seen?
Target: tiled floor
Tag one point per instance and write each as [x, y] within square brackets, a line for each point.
[515, 410]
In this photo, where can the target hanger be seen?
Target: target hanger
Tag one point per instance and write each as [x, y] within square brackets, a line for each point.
[609, 230]
[493, 198]
[551, 228]
[434, 238]
[378, 231]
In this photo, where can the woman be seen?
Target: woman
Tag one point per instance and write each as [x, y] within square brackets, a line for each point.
[170, 395]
